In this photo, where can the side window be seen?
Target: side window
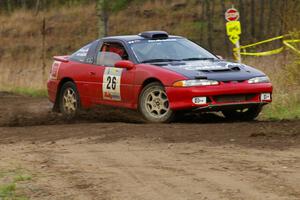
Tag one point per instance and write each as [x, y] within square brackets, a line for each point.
[91, 55]
[110, 53]
[81, 54]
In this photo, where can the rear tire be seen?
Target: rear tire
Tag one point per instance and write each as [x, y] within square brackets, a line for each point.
[154, 104]
[247, 114]
[69, 101]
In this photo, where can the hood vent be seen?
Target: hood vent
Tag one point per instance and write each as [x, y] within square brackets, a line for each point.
[155, 35]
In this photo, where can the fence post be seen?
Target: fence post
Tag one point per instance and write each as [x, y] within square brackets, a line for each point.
[43, 31]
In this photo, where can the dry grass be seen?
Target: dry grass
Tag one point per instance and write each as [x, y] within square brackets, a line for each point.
[21, 42]
[284, 73]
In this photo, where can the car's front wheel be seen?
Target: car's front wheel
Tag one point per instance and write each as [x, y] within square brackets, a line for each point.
[246, 114]
[154, 104]
[69, 101]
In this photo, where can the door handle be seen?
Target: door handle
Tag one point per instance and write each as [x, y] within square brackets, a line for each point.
[92, 73]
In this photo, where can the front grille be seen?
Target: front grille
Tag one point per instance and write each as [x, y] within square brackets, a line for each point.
[233, 98]
[237, 81]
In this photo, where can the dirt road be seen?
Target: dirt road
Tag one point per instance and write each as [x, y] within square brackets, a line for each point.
[112, 154]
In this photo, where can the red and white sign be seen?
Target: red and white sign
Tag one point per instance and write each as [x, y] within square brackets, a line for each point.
[232, 14]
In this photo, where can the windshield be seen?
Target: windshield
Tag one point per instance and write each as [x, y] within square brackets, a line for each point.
[147, 51]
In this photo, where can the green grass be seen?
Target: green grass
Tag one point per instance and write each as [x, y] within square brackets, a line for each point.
[9, 181]
[279, 112]
[7, 190]
[29, 92]
[284, 73]
[285, 105]
[22, 177]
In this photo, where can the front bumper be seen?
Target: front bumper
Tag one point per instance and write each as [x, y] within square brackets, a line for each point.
[180, 98]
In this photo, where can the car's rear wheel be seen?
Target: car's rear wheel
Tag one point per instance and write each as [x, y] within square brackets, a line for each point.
[69, 101]
[246, 114]
[154, 104]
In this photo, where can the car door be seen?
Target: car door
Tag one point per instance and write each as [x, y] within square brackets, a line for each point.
[114, 85]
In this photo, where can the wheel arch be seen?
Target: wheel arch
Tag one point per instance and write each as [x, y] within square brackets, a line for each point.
[148, 81]
[61, 83]
[144, 84]
[151, 80]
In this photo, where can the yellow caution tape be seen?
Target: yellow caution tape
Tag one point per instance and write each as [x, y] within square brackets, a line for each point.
[261, 42]
[292, 41]
[287, 43]
[265, 53]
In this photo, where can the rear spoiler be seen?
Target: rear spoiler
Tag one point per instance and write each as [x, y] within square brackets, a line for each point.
[61, 58]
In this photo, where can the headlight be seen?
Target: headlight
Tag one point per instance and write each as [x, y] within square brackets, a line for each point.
[263, 79]
[200, 82]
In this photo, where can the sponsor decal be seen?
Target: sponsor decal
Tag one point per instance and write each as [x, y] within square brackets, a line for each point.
[134, 41]
[206, 65]
[82, 52]
[111, 83]
[152, 41]
[161, 40]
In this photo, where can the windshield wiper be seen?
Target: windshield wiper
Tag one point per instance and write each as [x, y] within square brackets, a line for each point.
[159, 60]
[186, 59]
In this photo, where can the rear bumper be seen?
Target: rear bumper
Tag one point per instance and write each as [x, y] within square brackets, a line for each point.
[52, 86]
[181, 98]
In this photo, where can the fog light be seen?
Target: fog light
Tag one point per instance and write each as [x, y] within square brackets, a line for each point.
[199, 100]
[265, 96]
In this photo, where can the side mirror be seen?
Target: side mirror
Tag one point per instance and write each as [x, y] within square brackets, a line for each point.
[220, 57]
[124, 64]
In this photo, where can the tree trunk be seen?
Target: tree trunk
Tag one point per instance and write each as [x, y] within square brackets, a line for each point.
[242, 12]
[24, 5]
[103, 18]
[226, 41]
[202, 21]
[253, 18]
[37, 7]
[270, 17]
[283, 11]
[282, 29]
[43, 31]
[261, 19]
[8, 5]
[210, 23]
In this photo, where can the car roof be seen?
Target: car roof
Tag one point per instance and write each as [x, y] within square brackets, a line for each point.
[127, 38]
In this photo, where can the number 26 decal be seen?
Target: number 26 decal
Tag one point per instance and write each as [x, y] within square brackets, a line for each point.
[112, 83]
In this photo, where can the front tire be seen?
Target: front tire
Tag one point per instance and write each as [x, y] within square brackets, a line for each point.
[247, 114]
[69, 101]
[154, 104]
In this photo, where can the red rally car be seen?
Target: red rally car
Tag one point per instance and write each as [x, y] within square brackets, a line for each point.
[157, 74]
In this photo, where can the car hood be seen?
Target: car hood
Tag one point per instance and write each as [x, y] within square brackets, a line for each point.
[218, 70]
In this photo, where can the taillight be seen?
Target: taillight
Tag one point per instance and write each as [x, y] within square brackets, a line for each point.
[54, 70]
